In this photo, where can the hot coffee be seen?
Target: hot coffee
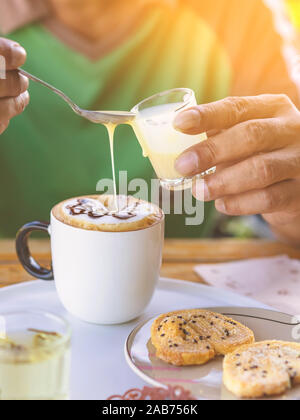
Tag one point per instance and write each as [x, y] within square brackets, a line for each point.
[106, 255]
[107, 214]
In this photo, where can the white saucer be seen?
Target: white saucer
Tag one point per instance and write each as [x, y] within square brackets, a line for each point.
[205, 382]
[99, 369]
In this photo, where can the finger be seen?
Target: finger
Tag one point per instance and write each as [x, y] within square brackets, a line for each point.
[3, 126]
[10, 107]
[284, 196]
[14, 54]
[212, 133]
[13, 85]
[257, 172]
[229, 112]
[282, 218]
[234, 144]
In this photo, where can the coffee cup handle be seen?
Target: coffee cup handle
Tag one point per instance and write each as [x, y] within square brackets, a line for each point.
[22, 248]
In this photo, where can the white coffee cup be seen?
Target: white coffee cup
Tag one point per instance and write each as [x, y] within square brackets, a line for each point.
[100, 277]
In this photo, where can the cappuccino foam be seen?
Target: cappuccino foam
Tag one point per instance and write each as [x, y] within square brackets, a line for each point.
[104, 213]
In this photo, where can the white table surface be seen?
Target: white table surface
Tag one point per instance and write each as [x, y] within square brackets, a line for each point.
[99, 369]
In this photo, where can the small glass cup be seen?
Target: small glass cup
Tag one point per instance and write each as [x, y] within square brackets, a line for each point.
[158, 138]
[34, 356]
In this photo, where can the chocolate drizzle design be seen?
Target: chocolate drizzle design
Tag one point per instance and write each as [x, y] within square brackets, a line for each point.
[85, 206]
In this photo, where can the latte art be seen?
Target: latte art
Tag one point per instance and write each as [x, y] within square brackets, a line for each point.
[108, 213]
[95, 210]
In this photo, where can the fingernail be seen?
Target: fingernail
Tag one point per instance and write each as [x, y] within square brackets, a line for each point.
[24, 82]
[187, 163]
[200, 190]
[187, 120]
[17, 56]
[25, 98]
[220, 205]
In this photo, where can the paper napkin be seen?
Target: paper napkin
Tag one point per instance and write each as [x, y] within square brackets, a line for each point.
[274, 281]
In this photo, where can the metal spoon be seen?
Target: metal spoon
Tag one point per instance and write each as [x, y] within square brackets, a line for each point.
[98, 117]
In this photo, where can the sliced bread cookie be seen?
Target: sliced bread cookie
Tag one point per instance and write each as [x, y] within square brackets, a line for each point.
[262, 369]
[195, 336]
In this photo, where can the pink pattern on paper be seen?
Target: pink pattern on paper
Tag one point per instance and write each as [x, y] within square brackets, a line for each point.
[274, 281]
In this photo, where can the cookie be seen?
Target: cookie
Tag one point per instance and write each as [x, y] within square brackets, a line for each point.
[195, 336]
[262, 369]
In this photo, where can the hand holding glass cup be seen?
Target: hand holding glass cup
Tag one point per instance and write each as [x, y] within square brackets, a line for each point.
[159, 140]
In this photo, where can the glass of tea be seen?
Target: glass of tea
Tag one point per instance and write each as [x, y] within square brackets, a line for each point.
[34, 356]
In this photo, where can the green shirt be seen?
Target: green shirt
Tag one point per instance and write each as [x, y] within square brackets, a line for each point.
[49, 154]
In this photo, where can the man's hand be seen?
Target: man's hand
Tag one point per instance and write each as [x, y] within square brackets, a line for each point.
[255, 144]
[14, 96]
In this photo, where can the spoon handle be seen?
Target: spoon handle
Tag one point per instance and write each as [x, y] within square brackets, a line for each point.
[103, 117]
[55, 90]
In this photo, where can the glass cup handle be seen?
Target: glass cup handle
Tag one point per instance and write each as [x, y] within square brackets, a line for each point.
[28, 262]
